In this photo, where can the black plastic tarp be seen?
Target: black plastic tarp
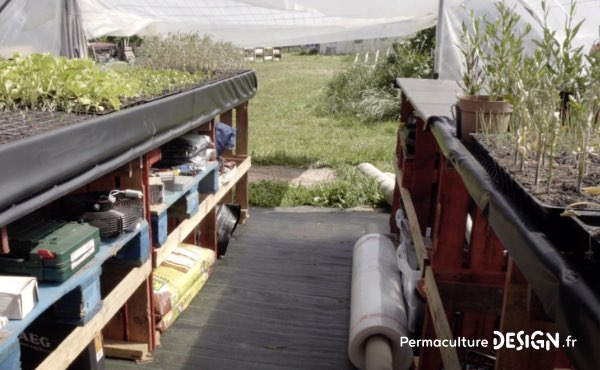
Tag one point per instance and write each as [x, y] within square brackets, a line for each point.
[565, 296]
[45, 167]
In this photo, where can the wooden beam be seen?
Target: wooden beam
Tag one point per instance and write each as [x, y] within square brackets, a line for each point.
[421, 186]
[242, 197]
[515, 317]
[4, 246]
[450, 220]
[467, 276]
[415, 231]
[208, 233]
[429, 357]
[440, 321]
[241, 125]
[81, 336]
[207, 203]
[468, 297]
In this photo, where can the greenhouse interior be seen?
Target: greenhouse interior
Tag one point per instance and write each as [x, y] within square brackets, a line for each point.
[300, 184]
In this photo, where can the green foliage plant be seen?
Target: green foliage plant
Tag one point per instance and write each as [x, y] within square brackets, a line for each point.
[503, 53]
[470, 48]
[189, 52]
[45, 82]
[367, 92]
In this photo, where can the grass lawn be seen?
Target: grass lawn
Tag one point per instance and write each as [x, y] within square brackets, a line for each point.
[286, 130]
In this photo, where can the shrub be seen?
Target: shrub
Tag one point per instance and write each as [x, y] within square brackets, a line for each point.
[189, 53]
[367, 91]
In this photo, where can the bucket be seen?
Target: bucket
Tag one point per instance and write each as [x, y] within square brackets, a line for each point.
[480, 114]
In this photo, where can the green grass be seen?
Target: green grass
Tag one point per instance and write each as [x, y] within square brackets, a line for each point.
[350, 190]
[285, 129]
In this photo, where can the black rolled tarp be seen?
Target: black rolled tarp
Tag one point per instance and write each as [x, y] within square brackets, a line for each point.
[42, 168]
[565, 296]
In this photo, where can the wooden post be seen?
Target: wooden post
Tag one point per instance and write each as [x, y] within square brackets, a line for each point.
[515, 317]
[208, 230]
[5, 248]
[422, 183]
[450, 220]
[241, 124]
[241, 149]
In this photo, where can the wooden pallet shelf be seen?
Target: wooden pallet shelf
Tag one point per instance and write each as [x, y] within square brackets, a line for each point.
[50, 293]
[208, 203]
[472, 287]
[120, 275]
[70, 348]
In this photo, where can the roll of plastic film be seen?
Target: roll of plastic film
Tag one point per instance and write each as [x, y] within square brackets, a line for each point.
[377, 306]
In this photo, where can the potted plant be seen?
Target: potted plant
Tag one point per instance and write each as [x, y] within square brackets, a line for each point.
[492, 55]
[548, 162]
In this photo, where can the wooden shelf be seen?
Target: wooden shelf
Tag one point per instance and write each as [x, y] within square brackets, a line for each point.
[72, 346]
[123, 294]
[187, 183]
[434, 301]
[50, 293]
[180, 233]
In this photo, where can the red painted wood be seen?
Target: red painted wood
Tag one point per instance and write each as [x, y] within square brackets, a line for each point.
[152, 157]
[450, 221]
[421, 186]
[405, 108]
[486, 250]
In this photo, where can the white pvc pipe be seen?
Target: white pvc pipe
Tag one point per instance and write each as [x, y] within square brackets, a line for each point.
[377, 307]
[385, 180]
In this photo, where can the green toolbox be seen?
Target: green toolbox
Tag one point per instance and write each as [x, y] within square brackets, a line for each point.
[49, 250]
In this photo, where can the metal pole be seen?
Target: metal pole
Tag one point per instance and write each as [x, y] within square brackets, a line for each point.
[437, 60]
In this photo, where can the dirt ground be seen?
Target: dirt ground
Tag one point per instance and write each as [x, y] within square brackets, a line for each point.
[296, 176]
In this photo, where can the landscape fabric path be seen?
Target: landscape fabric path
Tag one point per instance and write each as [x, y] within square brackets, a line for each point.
[279, 299]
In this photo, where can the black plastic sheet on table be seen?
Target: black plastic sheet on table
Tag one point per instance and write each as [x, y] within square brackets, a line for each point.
[42, 168]
[565, 296]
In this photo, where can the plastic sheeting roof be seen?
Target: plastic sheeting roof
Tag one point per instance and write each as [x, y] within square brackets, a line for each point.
[454, 13]
[34, 25]
[252, 23]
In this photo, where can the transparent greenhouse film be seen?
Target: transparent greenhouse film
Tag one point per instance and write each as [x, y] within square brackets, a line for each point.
[30, 26]
[457, 11]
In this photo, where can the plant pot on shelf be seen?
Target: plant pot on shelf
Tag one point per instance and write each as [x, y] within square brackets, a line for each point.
[478, 110]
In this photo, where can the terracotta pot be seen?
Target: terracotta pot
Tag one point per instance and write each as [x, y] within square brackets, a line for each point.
[478, 110]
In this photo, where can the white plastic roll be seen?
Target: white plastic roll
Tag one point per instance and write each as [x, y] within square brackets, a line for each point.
[377, 306]
[385, 180]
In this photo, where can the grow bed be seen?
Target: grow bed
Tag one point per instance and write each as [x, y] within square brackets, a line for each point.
[577, 239]
[19, 125]
[16, 125]
[566, 287]
[46, 166]
[499, 160]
